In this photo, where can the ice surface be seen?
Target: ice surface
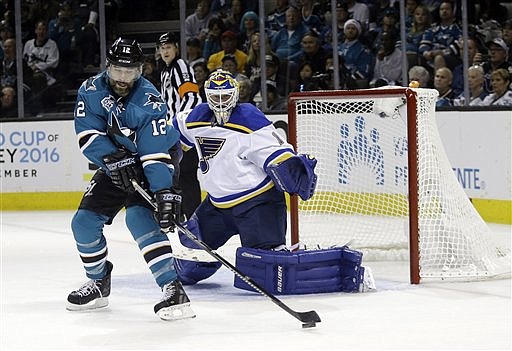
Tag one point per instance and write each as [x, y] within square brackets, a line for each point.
[40, 266]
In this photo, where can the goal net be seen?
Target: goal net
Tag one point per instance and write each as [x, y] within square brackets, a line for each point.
[385, 185]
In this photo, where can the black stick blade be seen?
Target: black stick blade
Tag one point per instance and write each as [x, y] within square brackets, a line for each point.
[310, 317]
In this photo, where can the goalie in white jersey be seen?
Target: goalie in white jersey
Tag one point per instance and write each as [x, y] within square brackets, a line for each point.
[245, 167]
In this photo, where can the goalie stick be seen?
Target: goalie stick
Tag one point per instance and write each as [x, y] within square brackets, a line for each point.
[186, 253]
[308, 319]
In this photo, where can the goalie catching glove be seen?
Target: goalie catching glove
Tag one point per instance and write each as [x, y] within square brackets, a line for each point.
[123, 167]
[168, 211]
[295, 175]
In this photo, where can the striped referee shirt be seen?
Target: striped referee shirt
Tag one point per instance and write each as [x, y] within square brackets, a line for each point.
[179, 87]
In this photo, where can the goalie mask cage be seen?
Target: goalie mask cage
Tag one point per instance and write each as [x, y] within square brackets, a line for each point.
[385, 184]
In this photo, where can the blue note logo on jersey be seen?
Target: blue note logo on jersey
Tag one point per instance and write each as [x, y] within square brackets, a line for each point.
[154, 100]
[208, 148]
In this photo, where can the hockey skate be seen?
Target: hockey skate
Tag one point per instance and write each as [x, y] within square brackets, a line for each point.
[92, 295]
[175, 303]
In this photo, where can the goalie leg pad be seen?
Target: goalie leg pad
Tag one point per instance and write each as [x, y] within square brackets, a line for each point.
[302, 272]
[295, 175]
[191, 272]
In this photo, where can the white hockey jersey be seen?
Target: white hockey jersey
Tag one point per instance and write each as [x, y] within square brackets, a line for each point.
[232, 158]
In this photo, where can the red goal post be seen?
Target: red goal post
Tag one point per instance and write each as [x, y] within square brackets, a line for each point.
[385, 184]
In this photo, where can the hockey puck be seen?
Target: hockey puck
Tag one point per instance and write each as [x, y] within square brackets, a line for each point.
[309, 325]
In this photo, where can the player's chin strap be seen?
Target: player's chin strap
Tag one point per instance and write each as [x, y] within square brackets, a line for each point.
[308, 319]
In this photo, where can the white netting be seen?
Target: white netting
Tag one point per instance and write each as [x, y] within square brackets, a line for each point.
[362, 192]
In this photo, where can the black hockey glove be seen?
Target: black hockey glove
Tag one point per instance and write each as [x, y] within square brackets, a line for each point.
[123, 167]
[168, 209]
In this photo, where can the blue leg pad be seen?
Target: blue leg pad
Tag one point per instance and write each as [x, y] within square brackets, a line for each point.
[301, 272]
[191, 272]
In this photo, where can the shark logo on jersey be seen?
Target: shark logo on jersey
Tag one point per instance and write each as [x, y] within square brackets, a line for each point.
[89, 83]
[108, 102]
[154, 100]
[122, 136]
[208, 147]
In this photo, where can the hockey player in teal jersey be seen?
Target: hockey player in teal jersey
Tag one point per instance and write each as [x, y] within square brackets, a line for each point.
[245, 166]
[120, 121]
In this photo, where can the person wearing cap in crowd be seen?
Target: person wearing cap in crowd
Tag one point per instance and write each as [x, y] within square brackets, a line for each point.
[180, 92]
[342, 16]
[498, 58]
[378, 10]
[229, 46]
[355, 58]
[274, 73]
[387, 24]
[313, 52]
[275, 77]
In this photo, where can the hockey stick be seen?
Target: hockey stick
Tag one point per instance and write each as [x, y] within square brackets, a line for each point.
[308, 319]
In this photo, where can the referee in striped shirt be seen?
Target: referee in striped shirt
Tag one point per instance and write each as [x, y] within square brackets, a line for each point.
[180, 91]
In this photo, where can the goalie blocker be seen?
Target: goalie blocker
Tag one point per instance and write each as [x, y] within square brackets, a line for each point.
[304, 271]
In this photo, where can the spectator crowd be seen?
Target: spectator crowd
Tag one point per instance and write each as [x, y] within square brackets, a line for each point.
[61, 38]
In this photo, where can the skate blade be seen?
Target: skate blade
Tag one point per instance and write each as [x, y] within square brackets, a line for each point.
[92, 305]
[176, 312]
